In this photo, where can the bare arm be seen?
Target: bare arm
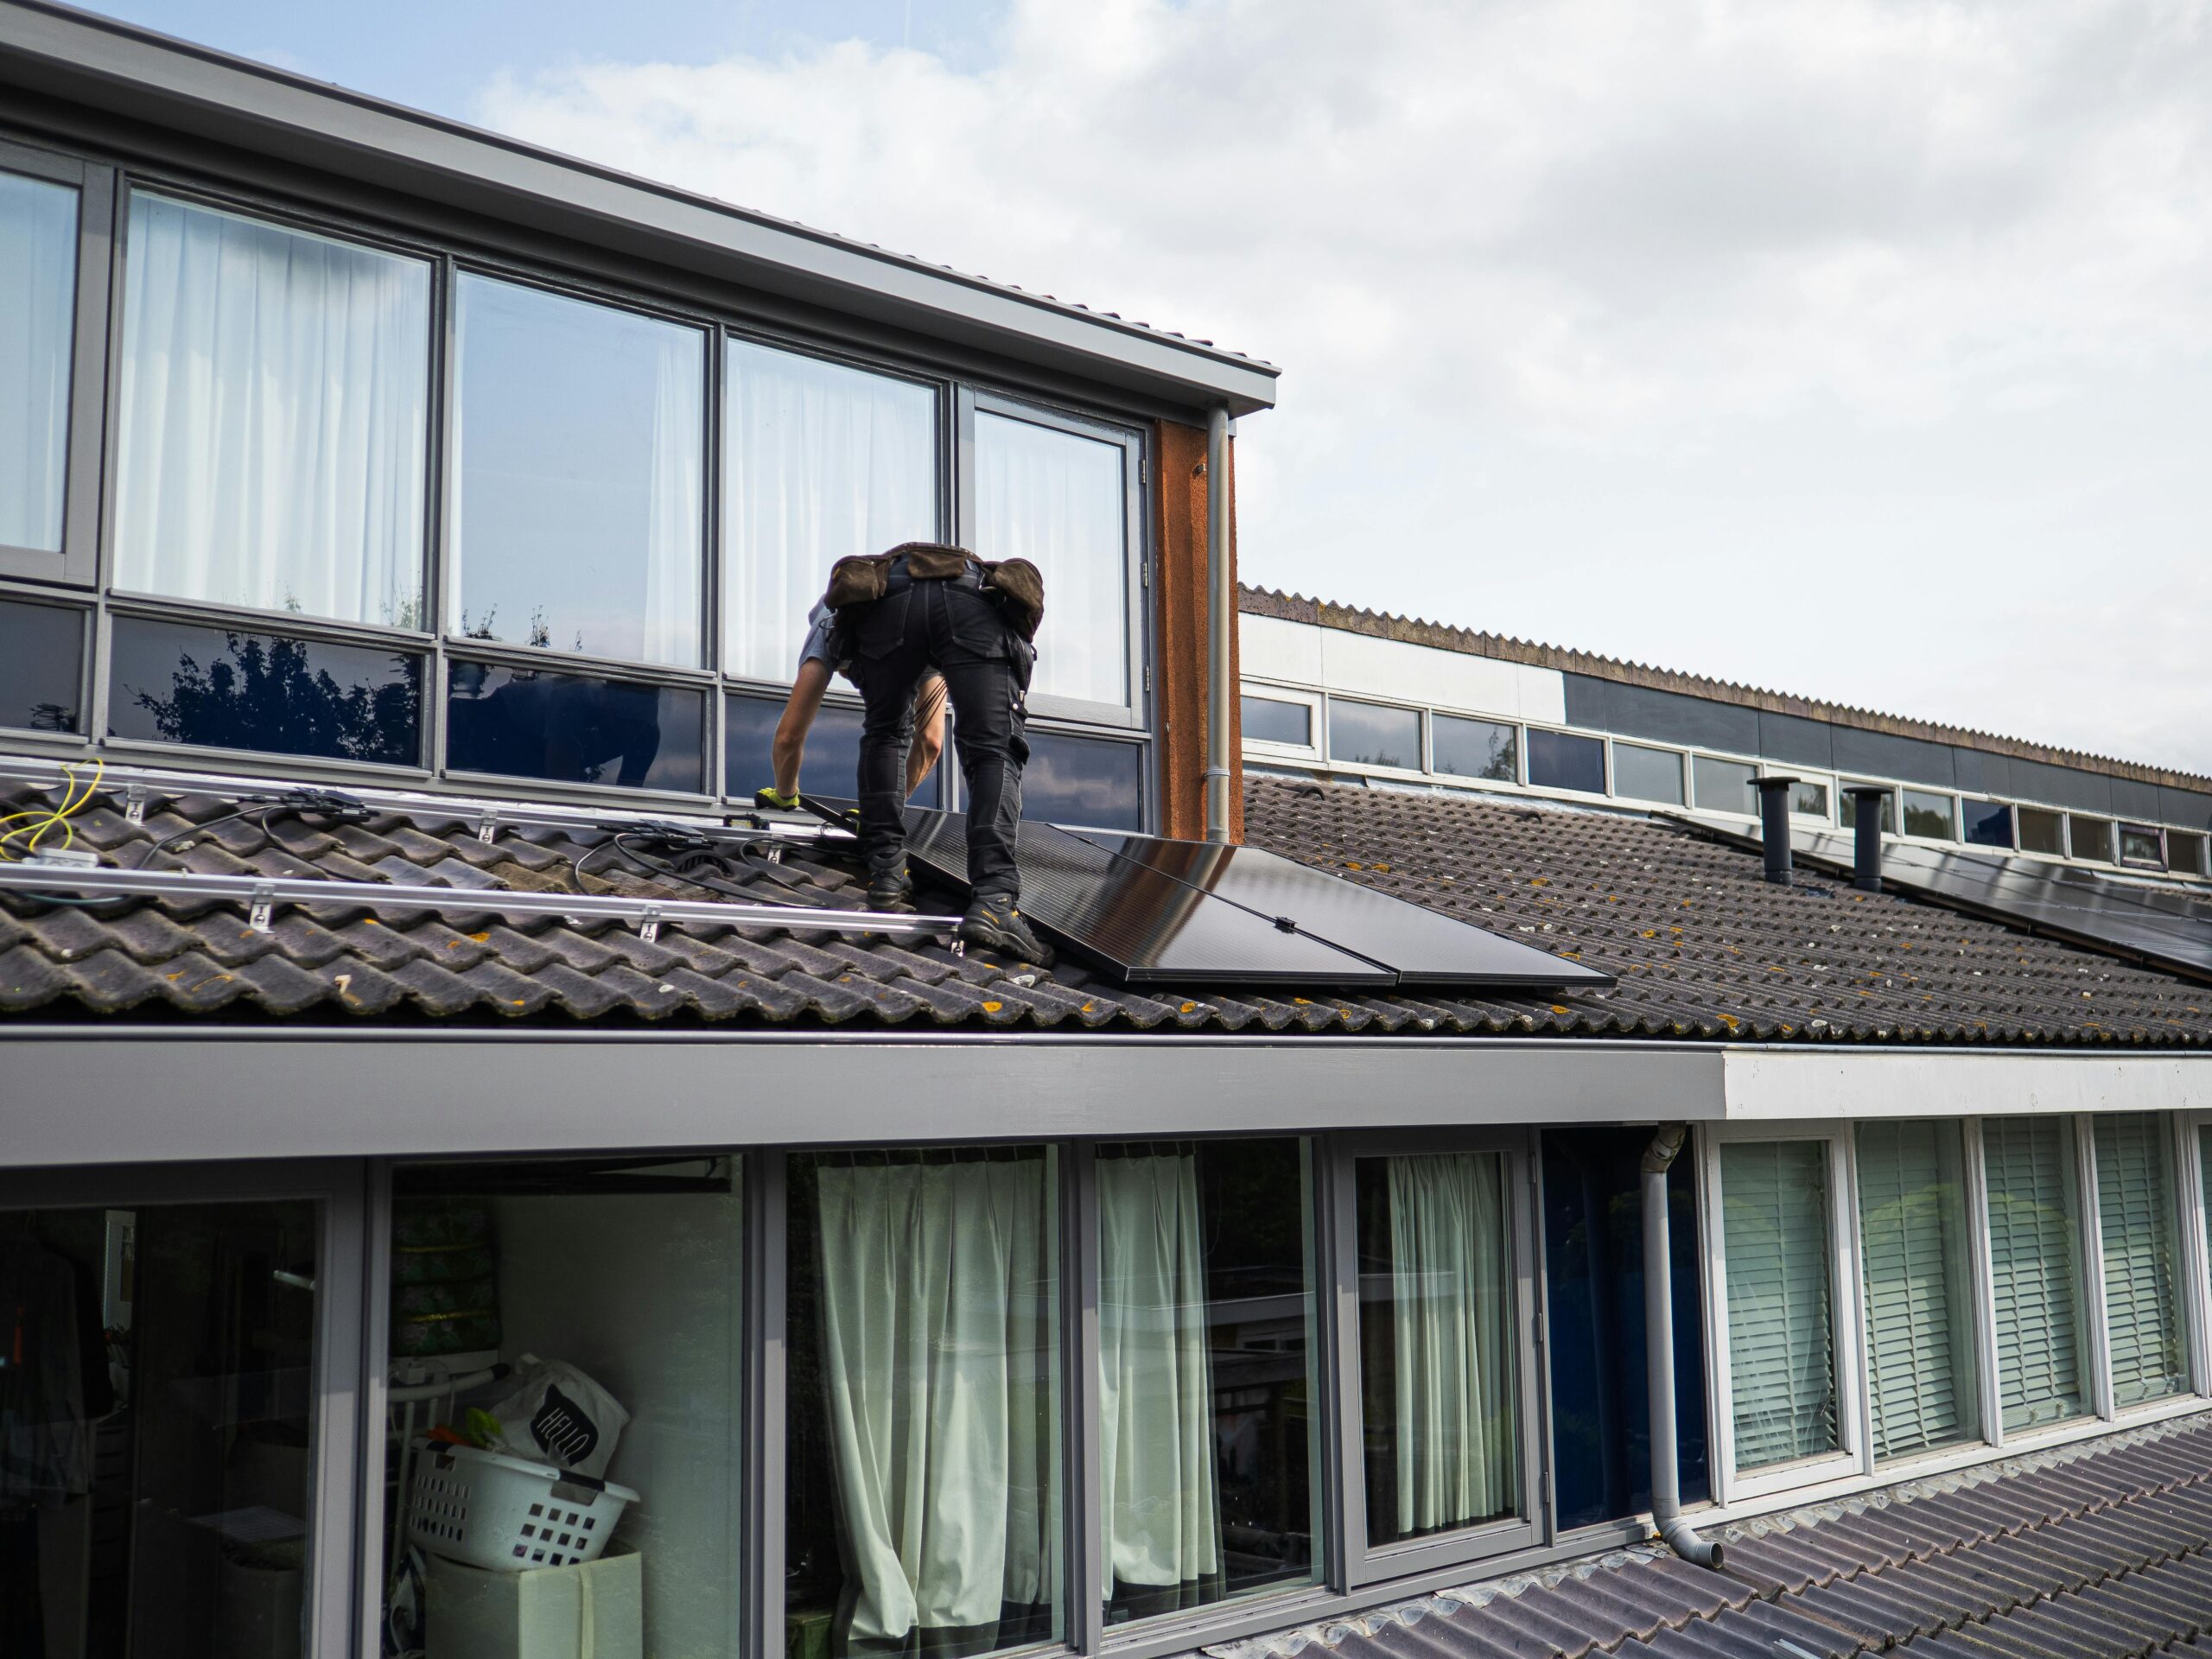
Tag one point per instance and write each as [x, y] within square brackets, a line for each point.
[929, 731]
[800, 710]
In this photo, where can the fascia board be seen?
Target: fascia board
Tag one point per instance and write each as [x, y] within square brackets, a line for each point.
[1767, 1085]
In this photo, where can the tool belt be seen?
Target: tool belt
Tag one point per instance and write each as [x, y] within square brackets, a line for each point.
[862, 578]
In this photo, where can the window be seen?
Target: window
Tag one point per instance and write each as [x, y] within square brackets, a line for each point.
[1930, 815]
[1269, 719]
[2185, 851]
[2090, 837]
[1917, 1271]
[1206, 1372]
[579, 434]
[922, 1504]
[573, 728]
[2034, 1220]
[42, 666]
[2141, 843]
[1848, 810]
[1988, 824]
[1059, 499]
[1093, 782]
[831, 765]
[1374, 735]
[1560, 760]
[2042, 831]
[1474, 748]
[1774, 1229]
[1723, 785]
[38, 297]
[2135, 1216]
[1642, 774]
[1809, 798]
[272, 441]
[821, 461]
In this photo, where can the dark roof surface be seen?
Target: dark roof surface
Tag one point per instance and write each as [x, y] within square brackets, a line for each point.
[2098, 1552]
[1702, 947]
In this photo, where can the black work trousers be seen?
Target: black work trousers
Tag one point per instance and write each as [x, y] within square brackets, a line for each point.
[956, 628]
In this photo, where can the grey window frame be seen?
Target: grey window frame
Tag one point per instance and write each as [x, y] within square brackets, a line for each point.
[74, 605]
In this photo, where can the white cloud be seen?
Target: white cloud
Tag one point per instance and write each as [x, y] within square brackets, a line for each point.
[1740, 310]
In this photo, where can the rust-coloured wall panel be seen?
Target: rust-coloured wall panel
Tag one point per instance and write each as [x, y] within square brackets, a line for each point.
[1180, 602]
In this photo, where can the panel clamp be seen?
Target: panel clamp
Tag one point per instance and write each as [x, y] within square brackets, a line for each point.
[261, 904]
[649, 924]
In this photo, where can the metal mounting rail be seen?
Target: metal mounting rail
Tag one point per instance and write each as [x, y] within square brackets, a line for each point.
[261, 894]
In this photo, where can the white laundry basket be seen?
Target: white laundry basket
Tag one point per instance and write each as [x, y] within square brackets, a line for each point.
[505, 1513]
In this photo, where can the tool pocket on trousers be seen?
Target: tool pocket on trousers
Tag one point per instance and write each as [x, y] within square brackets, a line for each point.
[878, 627]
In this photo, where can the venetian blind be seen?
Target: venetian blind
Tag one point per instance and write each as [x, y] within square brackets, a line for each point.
[1782, 1362]
[2135, 1216]
[2029, 1163]
[1912, 1246]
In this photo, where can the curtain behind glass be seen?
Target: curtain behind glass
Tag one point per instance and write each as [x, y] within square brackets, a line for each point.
[276, 391]
[1155, 1415]
[38, 287]
[2034, 1222]
[1057, 500]
[938, 1327]
[2135, 1216]
[1774, 1205]
[821, 461]
[1916, 1263]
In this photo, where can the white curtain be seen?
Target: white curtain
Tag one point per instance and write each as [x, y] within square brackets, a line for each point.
[821, 460]
[938, 1325]
[1155, 1413]
[38, 277]
[1453, 1315]
[274, 423]
[1056, 498]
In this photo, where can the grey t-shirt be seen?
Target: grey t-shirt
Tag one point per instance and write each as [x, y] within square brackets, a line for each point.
[818, 648]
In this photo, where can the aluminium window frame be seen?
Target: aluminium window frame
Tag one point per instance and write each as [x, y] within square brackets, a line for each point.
[2191, 1199]
[1682, 774]
[1411, 775]
[1309, 701]
[2186, 1307]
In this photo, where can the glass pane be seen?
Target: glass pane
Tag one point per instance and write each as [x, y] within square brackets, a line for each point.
[38, 301]
[2135, 1213]
[820, 462]
[42, 666]
[1774, 1199]
[1082, 780]
[1206, 1372]
[1848, 810]
[832, 759]
[1557, 760]
[159, 1395]
[1724, 786]
[1641, 774]
[573, 728]
[1060, 500]
[2034, 1226]
[578, 433]
[581, 1315]
[2185, 851]
[2140, 844]
[922, 1502]
[1370, 734]
[1988, 824]
[1475, 749]
[1267, 720]
[2042, 831]
[2089, 837]
[1809, 798]
[274, 421]
[173, 682]
[1929, 815]
[1917, 1268]
[1438, 1339]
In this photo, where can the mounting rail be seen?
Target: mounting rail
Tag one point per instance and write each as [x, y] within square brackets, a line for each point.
[261, 894]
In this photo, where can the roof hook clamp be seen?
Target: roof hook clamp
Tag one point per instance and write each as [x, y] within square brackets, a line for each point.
[134, 804]
[261, 906]
[649, 924]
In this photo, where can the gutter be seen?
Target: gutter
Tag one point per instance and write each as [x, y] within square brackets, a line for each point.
[1659, 1355]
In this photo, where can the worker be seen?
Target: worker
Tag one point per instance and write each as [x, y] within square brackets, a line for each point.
[924, 606]
[817, 661]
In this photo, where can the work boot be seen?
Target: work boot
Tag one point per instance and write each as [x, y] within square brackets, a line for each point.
[998, 925]
[891, 893]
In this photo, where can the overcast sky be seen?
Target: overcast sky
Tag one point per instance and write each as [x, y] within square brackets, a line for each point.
[1857, 350]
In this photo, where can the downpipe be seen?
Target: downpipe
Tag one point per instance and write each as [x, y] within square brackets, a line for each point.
[1221, 617]
[1659, 1355]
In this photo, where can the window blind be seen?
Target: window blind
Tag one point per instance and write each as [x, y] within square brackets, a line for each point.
[1914, 1260]
[2033, 1224]
[2135, 1216]
[1781, 1354]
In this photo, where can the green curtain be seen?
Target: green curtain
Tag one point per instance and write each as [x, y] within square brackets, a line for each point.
[1914, 1263]
[2034, 1222]
[2135, 1217]
[1774, 1206]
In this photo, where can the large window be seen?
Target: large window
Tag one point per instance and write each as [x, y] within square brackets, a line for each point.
[38, 285]
[1642, 774]
[1563, 760]
[2035, 1224]
[2135, 1220]
[1475, 749]
[272, 442]
[1918, 1268]
[1775, 1235]
[1374, 734]
[1724, 786]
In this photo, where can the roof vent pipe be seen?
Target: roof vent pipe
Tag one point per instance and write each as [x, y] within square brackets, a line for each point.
[1867, 803]
[1659, 1355]
[1221, 617]
[1774, 825]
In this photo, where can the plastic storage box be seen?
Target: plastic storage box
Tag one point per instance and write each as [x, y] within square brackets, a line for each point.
[508, 1514]
[594, 1611]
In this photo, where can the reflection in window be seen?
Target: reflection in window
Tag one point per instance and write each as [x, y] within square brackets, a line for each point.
[1724, 786]
[573, 728]
[1082, 780]
[1930, 815]
[1559, 760]
[578, 436]
[1270, 720]
[1642, 774]
[1847, 813]
[1917, 1271]
[1774, 1205]
[1474, 748]
[159, 1396]
[38, 299]
[2042, 831]
[42, 666]
[1988, 824]
[2035, 1218]
[221, 688]
[274, 423]
[831, 766]
[821, 461]
[2135, 1217]
[1058, 500]
[1374, 735]
[922, 1502]
[1206, 1358]
[1438, 1325]
[2140, 843]
[2185, 851]
[2089, 837]
[1809, 798]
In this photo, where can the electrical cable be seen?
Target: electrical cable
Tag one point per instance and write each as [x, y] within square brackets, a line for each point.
[49, 819]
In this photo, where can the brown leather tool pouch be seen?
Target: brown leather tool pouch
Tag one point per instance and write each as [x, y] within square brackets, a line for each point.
[1020, 588]
[858, 578]
[931, 561]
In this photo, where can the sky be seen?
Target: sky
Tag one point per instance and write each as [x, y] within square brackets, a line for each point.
[1860, 349]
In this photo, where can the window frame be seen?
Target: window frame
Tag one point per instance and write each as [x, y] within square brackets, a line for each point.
[1419, 713]
[1684, 781]
[1316, 723]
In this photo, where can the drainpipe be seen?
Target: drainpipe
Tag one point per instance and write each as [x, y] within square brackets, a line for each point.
[1659, 1355]
[1221, 617]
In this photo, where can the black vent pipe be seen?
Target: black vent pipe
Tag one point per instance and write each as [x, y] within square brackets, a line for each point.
[1774, 825]
[1867, 801]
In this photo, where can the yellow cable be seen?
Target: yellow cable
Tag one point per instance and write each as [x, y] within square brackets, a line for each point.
[46, 818]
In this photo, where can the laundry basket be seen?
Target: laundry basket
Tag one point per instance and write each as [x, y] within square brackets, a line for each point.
[507, 1514]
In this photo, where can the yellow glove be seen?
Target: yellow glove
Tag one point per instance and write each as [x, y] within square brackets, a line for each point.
[767, 797]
